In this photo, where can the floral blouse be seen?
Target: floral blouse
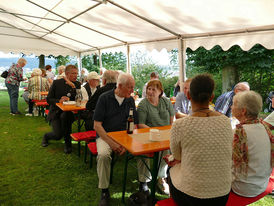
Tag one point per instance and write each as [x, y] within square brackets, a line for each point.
[15, 75]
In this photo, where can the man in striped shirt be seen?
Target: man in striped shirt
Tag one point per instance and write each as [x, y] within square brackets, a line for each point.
[224, 102]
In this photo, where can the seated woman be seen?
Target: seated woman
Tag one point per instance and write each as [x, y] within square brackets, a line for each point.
[153, 111]
[201, 147]
[36, 85]
[251, 146]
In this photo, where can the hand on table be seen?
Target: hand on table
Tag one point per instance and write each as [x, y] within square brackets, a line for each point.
[117, 148]
[63, 98]
[171, 161]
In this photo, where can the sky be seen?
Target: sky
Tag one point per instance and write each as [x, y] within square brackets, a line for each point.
[162, 57]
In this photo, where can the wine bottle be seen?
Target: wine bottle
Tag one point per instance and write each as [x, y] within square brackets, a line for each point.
[130, 122]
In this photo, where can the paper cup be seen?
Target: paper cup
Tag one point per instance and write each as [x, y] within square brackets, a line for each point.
[154, 135]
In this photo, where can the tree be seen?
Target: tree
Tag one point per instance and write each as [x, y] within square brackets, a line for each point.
[114, 61]
[89, 63]
[61, 60]
[42, 61]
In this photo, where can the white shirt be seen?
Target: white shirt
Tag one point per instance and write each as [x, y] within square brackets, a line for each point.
[259, 163]
[85, 94]
[50, 75]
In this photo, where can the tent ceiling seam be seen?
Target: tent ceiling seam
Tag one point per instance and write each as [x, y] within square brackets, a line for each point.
[78, 23]
[53, 33]
[69, 20]
[38, 36]
[26, 15]
[9, 27]
[144, 18]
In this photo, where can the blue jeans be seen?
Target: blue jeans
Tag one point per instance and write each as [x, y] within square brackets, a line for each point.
[13, 91]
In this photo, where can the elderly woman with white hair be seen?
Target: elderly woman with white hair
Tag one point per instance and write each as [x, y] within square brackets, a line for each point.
[253, 146]
[37, 84]
[61, 71]
[15, 76]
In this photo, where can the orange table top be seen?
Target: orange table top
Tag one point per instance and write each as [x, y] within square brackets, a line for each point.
[67, 108]
[44, 93]
[137, 148]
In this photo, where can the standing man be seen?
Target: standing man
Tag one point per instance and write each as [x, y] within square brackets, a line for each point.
[182, 104]
[110, 115]
[88, 90]
[61, 122]
[15, 76]
[224, 102]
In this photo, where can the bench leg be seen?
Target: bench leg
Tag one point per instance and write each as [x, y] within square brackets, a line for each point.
[85, 154]
[111, 168]
[79, 148]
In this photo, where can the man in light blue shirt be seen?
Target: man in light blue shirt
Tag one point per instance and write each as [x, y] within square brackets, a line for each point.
[182, 104]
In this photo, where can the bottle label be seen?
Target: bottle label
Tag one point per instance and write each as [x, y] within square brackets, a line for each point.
[131, 126]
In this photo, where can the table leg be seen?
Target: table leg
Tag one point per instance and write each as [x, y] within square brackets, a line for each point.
[125, 177]
[154, 174]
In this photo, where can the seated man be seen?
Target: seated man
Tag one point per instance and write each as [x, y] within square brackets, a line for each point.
[224, 102]
[109, 80]
[182, 104]
[88, 90]
[111, 114]
[61, 122]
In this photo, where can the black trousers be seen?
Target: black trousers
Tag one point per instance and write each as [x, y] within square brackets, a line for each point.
[87, 116]
[183, 199]
[61, 127]
[31, 103]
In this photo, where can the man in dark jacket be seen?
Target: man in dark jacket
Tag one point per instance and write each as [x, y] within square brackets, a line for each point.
[60, 91]
[109, 80]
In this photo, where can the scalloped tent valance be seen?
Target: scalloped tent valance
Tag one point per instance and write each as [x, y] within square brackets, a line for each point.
[69, 27]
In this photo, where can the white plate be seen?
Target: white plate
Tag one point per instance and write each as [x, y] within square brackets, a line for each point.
[69, 103]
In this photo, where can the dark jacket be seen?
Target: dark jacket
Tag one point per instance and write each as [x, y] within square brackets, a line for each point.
[91, 104]
[58, 89]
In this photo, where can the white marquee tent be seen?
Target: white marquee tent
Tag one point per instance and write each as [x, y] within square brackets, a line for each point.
[75, 27]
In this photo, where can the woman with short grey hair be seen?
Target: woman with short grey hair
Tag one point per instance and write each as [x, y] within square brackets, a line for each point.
[253, 146]
[15, 76]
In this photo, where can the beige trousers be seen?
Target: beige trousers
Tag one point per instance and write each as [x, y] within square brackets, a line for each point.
[144, 174]
[104, 165]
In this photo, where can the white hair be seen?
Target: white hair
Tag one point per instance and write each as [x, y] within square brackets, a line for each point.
[61, 68]
[249, 100]
[36, 72]
[124, 78]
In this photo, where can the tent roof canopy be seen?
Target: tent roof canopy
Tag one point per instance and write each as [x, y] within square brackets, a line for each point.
[69, 27]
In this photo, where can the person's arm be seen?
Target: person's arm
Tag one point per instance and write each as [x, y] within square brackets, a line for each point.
[170, 110]
[179, 110]
[70, 83]
[142, 114]
[175, 146]
[102, 134]
[51, 98]
[84, 94]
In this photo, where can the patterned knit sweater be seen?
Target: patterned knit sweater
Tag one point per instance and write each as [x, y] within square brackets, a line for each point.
[204, 146]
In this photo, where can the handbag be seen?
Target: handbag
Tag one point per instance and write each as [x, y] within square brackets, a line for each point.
[4, 74]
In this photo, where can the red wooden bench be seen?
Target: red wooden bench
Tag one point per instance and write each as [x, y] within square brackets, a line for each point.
[87, 136]
[237, 200]
[166, 202]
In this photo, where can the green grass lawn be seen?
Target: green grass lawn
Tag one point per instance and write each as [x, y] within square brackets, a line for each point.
[33, 175]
